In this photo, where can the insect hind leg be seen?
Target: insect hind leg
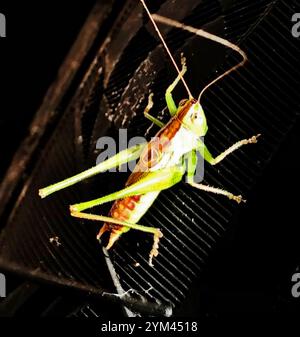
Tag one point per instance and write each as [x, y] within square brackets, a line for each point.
[157, 234]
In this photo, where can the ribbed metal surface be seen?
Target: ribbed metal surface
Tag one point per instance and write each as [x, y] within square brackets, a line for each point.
[260, 98]
[26, 241]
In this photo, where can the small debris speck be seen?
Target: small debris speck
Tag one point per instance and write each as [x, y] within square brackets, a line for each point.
[55, 240]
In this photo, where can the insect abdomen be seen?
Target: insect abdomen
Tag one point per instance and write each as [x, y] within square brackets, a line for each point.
[130, 209]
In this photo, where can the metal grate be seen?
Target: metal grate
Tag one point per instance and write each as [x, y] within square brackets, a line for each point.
[260, 98]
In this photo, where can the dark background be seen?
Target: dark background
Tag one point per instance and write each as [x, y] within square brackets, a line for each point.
[39, 34]
[252, 270]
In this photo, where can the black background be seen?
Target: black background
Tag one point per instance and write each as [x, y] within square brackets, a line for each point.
[39, 34]
[252, 270]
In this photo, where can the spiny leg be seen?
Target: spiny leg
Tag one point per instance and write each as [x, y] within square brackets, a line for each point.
[169, 98]
[148, 116]
[157, 234]
[213, 161]
[192, 165]
[237, 198]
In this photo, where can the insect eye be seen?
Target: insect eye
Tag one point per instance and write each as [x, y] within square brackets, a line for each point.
[196, 115]
[182, 102]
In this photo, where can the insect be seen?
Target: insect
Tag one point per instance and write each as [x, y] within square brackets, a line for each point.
[162, 161]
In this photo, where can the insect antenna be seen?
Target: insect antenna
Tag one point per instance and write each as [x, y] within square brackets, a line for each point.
[166, 48]
[215, 38]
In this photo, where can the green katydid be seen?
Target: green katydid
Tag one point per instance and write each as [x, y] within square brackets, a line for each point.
[161, 165]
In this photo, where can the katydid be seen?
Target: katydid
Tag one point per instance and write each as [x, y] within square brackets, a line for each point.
[161, 164]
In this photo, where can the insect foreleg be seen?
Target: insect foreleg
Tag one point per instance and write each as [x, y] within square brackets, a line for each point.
[169, 99]
[213, 161]
[148, 116]
[122, 157]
